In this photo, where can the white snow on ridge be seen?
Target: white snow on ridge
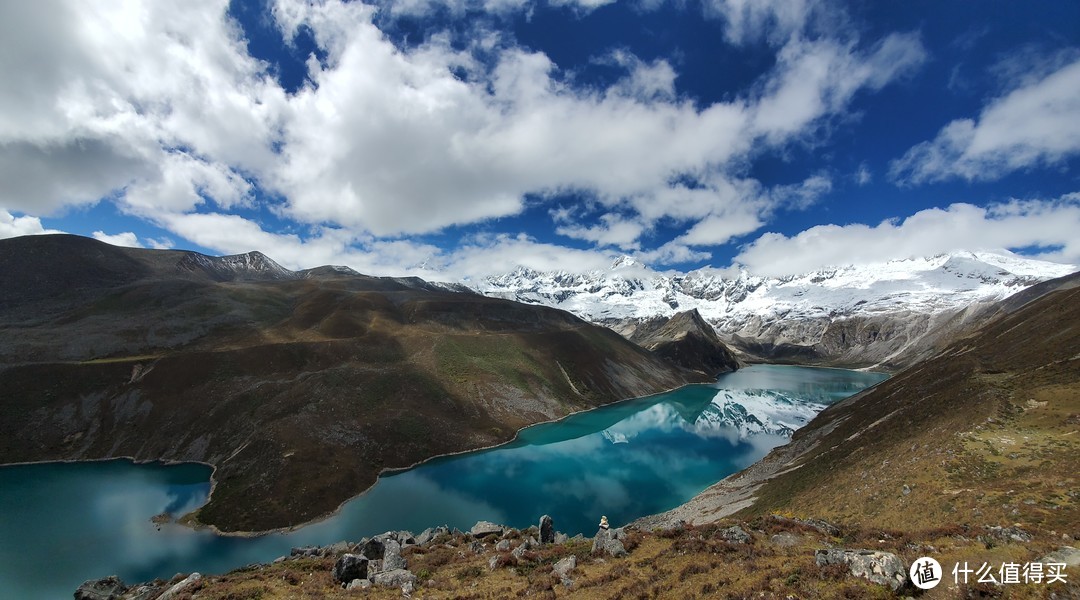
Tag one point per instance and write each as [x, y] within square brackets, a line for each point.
[756, 412]
[926, 285]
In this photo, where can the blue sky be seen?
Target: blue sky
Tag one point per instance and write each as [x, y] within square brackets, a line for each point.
[459, 138]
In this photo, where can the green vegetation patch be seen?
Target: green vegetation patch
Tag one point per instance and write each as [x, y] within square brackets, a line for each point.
[467, 358]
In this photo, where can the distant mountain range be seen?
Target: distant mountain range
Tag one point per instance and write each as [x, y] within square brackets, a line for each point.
[887, 314]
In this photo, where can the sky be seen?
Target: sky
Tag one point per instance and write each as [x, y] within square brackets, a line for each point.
[454, 139]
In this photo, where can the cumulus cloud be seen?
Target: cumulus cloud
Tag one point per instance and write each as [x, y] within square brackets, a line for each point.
[1017, 224]
[102, 97]
[821, 77]
[12, 226]
[127, 239]
[1037, 124]
[612, 230]
[166, 114]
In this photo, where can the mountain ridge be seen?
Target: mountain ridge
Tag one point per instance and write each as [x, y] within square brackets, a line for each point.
[886, 315]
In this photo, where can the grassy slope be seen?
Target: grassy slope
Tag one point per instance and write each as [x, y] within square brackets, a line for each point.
[984, 433]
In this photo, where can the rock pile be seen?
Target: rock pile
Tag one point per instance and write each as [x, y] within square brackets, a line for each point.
[884, 568]
[380, 561]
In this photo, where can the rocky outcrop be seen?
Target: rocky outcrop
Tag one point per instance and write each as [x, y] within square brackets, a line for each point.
[735, 534]
[564, 568]
[180, 588]
[884, 568]
[394, 578]
[108, 588]
[392, 559]
[609, 542]
[350, 567]
[687, 340]
[485, 528]
[547, 530]
[354, 567]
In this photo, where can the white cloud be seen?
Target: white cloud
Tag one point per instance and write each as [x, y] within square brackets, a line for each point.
[127, 239]
[612, 230]
[103, 97]
[863, 175]
[12, 226]
[672, 253]
[165, 113]
[1048, 224]
[775, 21]
[817, 78]
[1035, 125]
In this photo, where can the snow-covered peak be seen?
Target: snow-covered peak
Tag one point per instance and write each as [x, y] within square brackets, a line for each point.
[923, 284]
[252, 265]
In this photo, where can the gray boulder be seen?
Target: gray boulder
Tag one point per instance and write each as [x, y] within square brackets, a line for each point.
[359, 584]
[503, 545]
[304, 551]
[1009, 534]
[1065, 554]
[605, 542]
[823, 526]
[526, 545]
[181, 587]
[144, 592]
[395, 578]
[563, 568]
[392, 559]
[371, 549]
[486, 528]
[547, 530]
[884, 568]
[430, 533]
[561, 538]
[735, 534]
[338, 548]
[109, 588]
[350, 567]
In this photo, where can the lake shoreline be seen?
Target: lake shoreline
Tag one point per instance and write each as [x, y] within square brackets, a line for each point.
[190, 521]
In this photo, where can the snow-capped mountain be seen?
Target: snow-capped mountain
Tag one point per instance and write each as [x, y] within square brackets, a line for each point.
[755, 412]
[876, 310]
[249, 266]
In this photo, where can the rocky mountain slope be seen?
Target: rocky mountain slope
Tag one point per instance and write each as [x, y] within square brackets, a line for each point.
[298, 387]
[889, 315]
[686, 340]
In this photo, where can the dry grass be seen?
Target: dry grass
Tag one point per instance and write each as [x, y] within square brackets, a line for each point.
[691, 563]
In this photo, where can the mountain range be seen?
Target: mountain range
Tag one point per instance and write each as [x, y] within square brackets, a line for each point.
[886, 315]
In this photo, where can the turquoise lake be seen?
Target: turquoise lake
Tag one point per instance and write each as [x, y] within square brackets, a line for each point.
[61, 524]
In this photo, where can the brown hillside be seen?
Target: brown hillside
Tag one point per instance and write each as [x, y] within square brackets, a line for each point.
[298, 388]
[984, 434]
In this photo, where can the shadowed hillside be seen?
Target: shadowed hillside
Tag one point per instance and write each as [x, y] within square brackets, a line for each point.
[298, 387]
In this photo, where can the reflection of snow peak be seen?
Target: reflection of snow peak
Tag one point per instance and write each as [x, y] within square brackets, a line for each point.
[755, 412]
[615, 437]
